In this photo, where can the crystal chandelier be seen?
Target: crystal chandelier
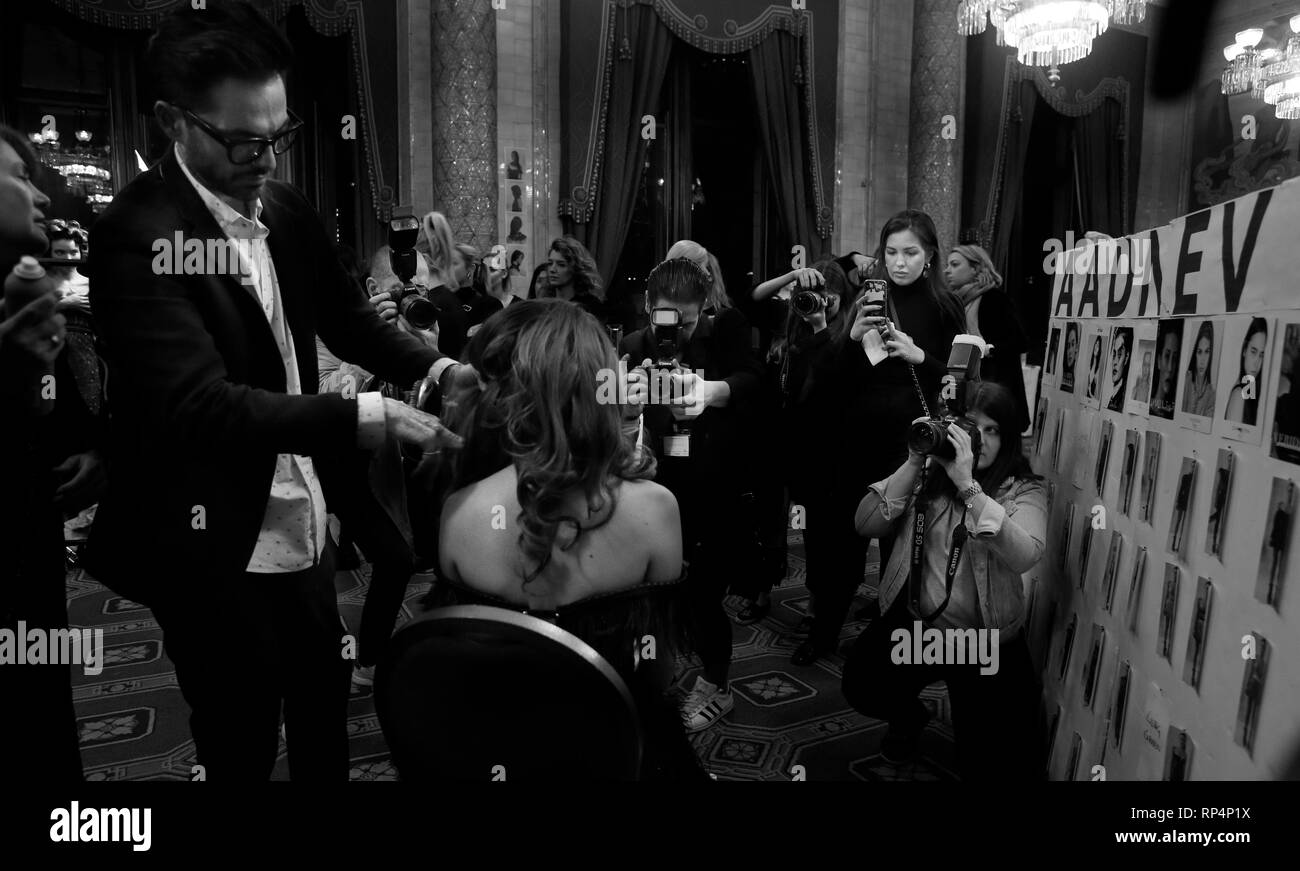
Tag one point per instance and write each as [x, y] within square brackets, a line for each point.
[1047, 33]
[86, 169]
[1269, 74]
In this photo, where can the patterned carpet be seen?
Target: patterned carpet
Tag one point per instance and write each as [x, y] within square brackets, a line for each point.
[134, 722]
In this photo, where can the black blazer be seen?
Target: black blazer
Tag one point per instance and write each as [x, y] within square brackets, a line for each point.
[196, 383]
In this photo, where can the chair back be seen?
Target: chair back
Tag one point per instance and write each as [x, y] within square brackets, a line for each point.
[478, 693]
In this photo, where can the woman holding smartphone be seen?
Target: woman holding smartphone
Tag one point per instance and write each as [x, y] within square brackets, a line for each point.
[877, 401]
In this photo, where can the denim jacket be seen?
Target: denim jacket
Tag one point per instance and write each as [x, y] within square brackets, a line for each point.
[1007, 538]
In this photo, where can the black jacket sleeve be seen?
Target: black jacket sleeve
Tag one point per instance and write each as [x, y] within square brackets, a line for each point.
[741, 368]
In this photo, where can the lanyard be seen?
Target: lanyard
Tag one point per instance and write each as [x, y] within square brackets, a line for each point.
[915, 578]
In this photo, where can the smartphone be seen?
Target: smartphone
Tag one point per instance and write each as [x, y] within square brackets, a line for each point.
[874, 291]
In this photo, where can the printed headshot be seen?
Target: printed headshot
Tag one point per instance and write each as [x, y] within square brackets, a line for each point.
[1286, 417]
[1202, 366]
[514, 168]
[1121, 352]
[1093, 384]
[1071, 356]
[1146, 352]
[1169, 345]
[1053, 345]
[1244, 391]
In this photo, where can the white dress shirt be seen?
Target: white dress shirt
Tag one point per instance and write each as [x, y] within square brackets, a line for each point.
[293, 527]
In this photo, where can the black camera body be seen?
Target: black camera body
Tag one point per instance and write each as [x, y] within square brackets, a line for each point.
[929, 435]
[667, 326]
[412, 301]
[808, 302]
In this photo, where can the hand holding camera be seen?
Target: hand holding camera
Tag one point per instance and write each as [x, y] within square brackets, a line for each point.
[638, 385]
[696, 395]
[961, 466]
[384, 306]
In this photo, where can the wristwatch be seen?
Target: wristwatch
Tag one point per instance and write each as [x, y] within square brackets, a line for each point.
[968, 495]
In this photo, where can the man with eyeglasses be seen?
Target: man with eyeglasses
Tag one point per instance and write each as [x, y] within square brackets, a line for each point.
[215, 516]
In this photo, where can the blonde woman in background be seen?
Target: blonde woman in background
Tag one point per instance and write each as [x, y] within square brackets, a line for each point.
[438, 247]
[991, 314]
[717, 301]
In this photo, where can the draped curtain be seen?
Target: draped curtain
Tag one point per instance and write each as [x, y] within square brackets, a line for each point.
[675, 148]
[1017, 132]
[782, 122]
[1098, 146]
[1063, 173]
[634, 92]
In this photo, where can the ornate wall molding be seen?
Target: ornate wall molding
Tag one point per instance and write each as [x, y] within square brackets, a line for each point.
[1117, 89]
[326, 17]
[578, 202]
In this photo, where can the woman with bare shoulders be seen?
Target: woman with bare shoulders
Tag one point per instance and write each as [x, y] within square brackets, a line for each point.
[553, 510]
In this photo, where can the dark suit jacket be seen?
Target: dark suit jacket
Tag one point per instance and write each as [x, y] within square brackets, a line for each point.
[196, 382]
[723, 463]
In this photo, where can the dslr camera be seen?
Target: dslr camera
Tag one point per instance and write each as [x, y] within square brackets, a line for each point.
[667, 325]
[808, 302]
[412, 301]
[929, 435]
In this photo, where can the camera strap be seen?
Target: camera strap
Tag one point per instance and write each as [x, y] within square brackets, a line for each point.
[915, 578]
[916, 382]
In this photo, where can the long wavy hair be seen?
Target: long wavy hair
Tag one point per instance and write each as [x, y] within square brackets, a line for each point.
[995, 400]
[986, 277]
[932, 283]
[685, 249]
[436, 243]
[586, 278]
[539, 365]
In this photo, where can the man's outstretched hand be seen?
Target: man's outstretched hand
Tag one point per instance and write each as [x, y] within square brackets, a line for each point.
[414, 427]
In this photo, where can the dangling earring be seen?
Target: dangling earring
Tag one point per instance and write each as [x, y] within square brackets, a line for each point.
[926, 271]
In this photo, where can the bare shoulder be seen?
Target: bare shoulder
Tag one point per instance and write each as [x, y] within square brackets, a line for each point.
[645, 503]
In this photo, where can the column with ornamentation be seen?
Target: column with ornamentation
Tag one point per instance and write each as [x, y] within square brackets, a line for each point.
[936, 118]
[464, 64]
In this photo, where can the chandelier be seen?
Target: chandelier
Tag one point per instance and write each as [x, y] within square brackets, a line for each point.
[1269, 74]
[85, 169]
[1047, 33]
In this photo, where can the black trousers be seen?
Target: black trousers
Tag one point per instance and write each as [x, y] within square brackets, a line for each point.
[995, 716]
[249, 644]
[392, 564]
[712, 567]
[836, 559]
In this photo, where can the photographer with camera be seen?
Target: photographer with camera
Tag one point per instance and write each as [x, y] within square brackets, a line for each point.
[705, 446]
[810, 405]
[968, 517]
[888, 359]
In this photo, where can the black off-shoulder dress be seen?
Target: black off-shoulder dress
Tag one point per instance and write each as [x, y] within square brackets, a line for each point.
[615, 624]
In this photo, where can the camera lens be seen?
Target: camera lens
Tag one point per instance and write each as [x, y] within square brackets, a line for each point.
[419, 312]
[806, 302]
[929, 436]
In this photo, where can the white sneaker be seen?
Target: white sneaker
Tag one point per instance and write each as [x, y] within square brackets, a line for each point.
[363, 676]
[704, 705]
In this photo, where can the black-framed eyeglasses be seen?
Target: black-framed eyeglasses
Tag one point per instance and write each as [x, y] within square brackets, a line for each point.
[250, 148]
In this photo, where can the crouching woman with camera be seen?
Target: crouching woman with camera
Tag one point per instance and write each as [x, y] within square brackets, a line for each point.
[979, 513]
